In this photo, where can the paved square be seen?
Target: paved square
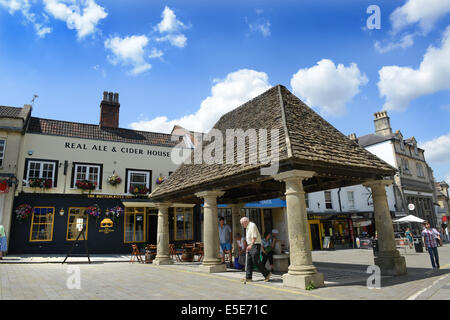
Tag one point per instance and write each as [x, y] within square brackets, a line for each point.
[344, 271]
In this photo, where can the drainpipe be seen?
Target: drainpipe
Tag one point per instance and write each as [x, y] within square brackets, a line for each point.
[339, 197]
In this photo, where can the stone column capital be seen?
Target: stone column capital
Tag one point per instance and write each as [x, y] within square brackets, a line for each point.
[236, 205]
[163, 205]
[210, 194]
[376, 183]
[294, 175]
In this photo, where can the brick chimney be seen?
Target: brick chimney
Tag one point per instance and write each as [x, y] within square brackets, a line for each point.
[382, 123]
[109, 110]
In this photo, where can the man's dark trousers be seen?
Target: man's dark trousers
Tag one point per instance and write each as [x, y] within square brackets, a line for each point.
[253, 260]
[433, 256]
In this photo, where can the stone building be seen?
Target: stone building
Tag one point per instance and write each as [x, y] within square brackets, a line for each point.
[13, 122]
[443, 200]
[66, 168]
[413, 182]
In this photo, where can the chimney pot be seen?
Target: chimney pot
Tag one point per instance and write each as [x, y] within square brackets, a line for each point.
[109, 110]
[382, 123]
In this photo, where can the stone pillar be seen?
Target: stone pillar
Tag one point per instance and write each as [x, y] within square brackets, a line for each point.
[162, 249]
[211, 260]
[301, 271]
[389, 259]
[236, 224]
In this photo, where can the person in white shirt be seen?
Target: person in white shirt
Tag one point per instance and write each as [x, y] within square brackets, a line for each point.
[253, 238]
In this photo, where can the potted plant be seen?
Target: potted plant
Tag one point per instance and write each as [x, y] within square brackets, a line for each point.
[114, 213]
[41, 183]
[160, 179]
[94, 211]
[23, 211]
[114, 180]
[86, 185]
[139, 190]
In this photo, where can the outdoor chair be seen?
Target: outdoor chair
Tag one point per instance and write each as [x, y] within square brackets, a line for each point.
[175, 252]
[136, 254]
[199, 250]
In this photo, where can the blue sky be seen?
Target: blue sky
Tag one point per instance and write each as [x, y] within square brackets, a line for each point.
[188, 62]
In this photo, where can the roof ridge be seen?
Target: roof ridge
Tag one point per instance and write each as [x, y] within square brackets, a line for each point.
[96, 125]
[283, 119]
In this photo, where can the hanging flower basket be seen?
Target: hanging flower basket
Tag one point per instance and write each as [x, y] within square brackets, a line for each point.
[94, 211]
[41, 183]
[23, 212]
[86, 185]
[114, 213]
[160, 179]
[114, 180]
[139, 190]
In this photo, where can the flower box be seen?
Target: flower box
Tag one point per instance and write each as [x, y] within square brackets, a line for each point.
[86, 185]
[139, 190]
[23, 212]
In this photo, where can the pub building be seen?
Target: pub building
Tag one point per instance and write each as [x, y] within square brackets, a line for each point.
[65, 168]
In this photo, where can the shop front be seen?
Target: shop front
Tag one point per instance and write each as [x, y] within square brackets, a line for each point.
[51, 223]
[330, 231]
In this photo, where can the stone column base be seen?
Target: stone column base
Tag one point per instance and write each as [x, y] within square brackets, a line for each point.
[391, 265]
[302, 281]
[159, 262]
[212, 268]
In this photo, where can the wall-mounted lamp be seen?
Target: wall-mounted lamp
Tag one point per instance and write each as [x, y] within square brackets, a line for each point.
[61, 212]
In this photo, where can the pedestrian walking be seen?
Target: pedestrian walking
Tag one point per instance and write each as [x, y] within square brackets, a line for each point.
[267, 249]
[3, 246]
[224, 238]
[409, 237]
[253, 239]
[430, 238]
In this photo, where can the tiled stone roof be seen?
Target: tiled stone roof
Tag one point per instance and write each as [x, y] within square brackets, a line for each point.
[10, 112]
[95, 132]
[304, 137]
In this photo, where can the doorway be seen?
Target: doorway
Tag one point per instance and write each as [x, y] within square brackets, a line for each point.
[152, 226]
[315, 236]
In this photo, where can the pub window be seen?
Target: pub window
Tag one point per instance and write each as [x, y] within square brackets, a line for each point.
[89, 172]
[2, 151]
[183, 224]
[351, 199]
[42, 224]
[135, 224]
[138, 179]
[72, 231]
[328, 202]
[41, 170]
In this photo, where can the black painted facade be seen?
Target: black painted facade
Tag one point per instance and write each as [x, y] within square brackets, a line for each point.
[98, 242]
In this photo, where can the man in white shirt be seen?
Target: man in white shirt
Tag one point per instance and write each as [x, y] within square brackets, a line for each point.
[253, 239]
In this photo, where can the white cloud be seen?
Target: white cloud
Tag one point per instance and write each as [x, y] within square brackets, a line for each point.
[170, 27]
[24, 7]
[401, 85]
[425, 13]
[437, 150]
[177, 40]
[262, 26]
[328, 87]
[155, 53]
[81, 15]
[129, 51]
[169, 23]
[405, 42]
[237, 88]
